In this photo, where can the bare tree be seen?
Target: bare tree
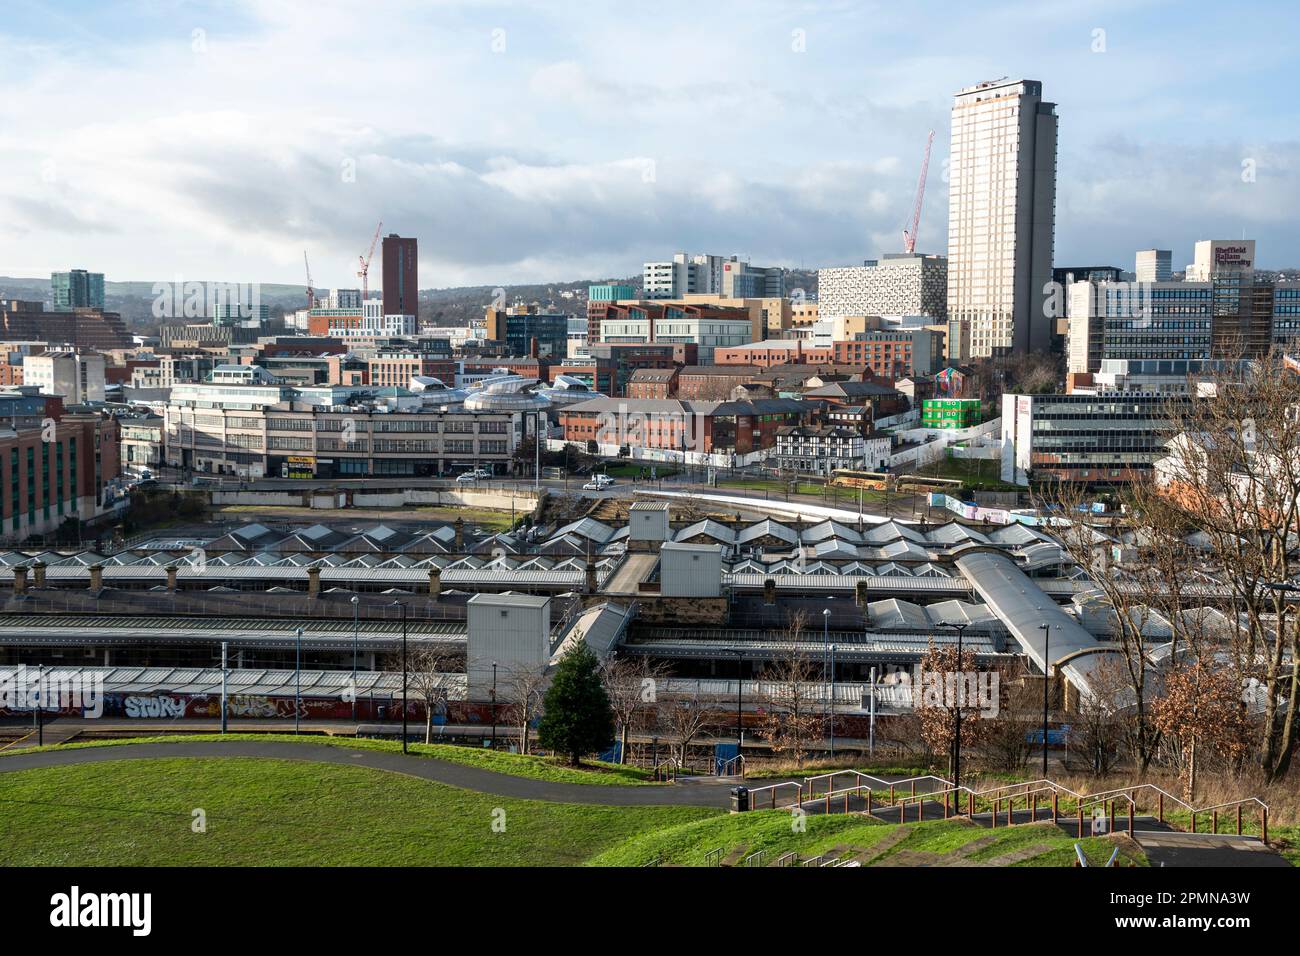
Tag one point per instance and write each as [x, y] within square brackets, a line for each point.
[1006, 735]
[1085, 540]
[429, 677]
[523, 689]
[632, 686]
[684, 716]
[1096, 728]
[1234, 470]
[793, 719]
[945, 687]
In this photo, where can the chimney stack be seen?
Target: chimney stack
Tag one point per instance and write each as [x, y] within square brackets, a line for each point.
[435, 582]
[769, 591]
[20, 579]
[861, 597]
[96, 577]
[38, 574]
[589, 580]
[313, 581]
[171, 577]
[460, 535]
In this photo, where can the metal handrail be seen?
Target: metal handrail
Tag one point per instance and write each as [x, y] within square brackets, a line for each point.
[724, 767]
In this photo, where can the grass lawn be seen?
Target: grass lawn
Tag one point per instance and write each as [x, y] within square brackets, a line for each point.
[516, 765]
[277, 812]
[1290, 838]
[985, 472]
[777, 489]
[773, 832]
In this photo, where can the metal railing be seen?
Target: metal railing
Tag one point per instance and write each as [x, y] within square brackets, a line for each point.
[733, 767]
[996, 800]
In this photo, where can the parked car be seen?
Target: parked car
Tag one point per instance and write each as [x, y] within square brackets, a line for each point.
[595, 485]
[468, 478]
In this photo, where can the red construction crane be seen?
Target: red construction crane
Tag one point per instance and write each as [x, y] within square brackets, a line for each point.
[909, 235]
[363, 272]
[311, 292]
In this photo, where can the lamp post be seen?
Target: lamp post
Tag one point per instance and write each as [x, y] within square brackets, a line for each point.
[1047, 675]
[959, 627]
[356, 611]
[832, 728]
[224, 647]
[297, 677]
[740, 699]
[494, 705]
[38, 703]
[871, 725]
[826, 646]
[403, 607]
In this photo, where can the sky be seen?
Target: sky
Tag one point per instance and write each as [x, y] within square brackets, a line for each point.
[550, 141]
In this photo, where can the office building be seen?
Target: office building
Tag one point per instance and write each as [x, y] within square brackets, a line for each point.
[1154, 265]
[691, 274]
[1001, 213]
[401, 291]
[900, 284]
[518, 327]
[599, 296]
[1095, 439]
[80, 328]
[740, 280]
[50, 477]
[708, 327]
[77, 289]
[77, 377]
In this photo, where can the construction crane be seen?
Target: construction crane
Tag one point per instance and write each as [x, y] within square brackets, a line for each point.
[363, 272]
[909, 235]
[311, 292]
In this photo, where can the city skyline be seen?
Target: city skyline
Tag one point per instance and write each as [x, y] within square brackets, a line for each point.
[557, 145]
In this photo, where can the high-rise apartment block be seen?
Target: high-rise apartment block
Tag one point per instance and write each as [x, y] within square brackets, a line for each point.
[900, 284]
[401, 276]
[1001, 214]
[77, 289]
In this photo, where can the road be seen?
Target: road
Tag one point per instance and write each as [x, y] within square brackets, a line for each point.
[900, 506]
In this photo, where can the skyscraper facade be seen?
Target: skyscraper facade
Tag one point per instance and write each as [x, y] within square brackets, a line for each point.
[401, 276]
[1154, 265]
[77, 289]
[1001, 215]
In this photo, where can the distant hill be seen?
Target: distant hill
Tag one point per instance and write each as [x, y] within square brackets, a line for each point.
[452, 306]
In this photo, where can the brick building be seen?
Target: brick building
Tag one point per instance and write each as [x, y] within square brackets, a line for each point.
[712, 382]
[55, 464]
[653, 383]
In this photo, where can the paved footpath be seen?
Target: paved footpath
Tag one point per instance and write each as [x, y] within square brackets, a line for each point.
[702, 792]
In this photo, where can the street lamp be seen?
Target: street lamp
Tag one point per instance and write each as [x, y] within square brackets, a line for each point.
[494, 705]
[740, 700]
[356, 610]
[826, 645]
[38, 704]
[832, 728]
[297, 677]
[403, 607]
[1047, 674]
[959, 627]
